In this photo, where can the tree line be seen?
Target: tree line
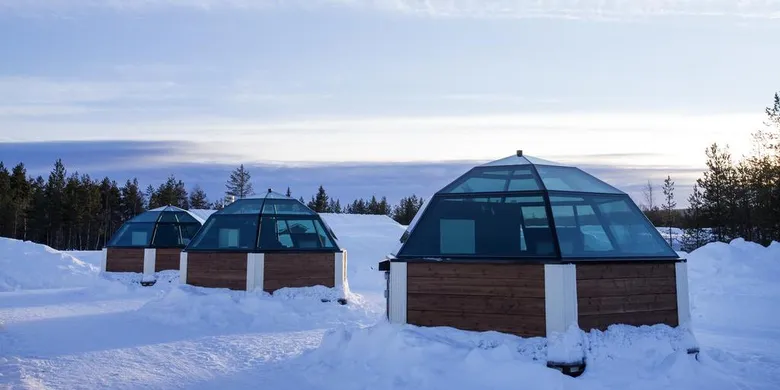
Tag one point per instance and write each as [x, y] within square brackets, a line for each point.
[75, 211]
[733, 198]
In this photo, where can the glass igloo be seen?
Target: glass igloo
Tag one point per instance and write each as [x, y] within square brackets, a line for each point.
[267, 243]
[163, 227]
[273, 222]
[522, 207]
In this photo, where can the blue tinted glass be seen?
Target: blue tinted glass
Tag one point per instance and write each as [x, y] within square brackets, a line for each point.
[169, 216]
[595, 226]
[572, 179]
[167, 235]
[499, 179]
[292, 233]
[476, 228]
[244, 206]
[133, 234]
[285, 206]
[149, 216]
[226, 232]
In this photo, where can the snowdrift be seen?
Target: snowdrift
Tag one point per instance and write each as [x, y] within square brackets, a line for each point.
[367, 239]
[25, 265]
[288, 308]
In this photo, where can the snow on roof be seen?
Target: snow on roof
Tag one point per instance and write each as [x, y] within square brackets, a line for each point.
[203, 214]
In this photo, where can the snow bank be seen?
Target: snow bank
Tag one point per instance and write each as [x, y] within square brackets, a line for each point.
[240, 310]
[25, 265]
[367, 239]
[733, 281]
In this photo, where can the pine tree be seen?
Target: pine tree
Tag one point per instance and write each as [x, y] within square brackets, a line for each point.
[406, 209]
[6, 209]
[239, 184]
[55, 193]
[198, 198]
[717, 192]
[170, 193]
[132, 199]
[668, 206]
[319, 203]
[288, 193]
[20, 200]
[694, 236]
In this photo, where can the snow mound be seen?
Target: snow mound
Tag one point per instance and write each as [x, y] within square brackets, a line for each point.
[367, 239]
[288, 308]
[25, 265]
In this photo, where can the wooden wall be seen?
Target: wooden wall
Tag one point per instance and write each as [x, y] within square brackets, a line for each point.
[125, 260]
[298, 270]
[217, 269]
[167, 258]
[633, 294]
[501, 297]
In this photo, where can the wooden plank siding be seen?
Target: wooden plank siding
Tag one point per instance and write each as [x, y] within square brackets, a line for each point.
[125, 260]
[298, 270]
[624, 293]
[167, 259]
[217, 269]
[480, 297]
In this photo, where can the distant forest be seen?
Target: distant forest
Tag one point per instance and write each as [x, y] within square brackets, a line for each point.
[75, 211]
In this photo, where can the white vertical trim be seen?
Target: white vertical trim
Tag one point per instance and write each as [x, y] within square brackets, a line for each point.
[560, 297]
[150, 258]
[683, 299]
[183, 267]
[397, 300]
[104, 260]
[255, 271]
[340, 273]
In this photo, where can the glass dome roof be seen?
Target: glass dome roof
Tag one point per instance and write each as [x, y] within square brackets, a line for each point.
[272, 222]
[521, 207]
[164, 227]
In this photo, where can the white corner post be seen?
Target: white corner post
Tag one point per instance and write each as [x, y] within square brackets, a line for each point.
[340, 273]
[564, 338]
[684, 307]
[104, 260]
[255, 270]
[150, 258]
[683, 299]
[183, 268]
[397, 294]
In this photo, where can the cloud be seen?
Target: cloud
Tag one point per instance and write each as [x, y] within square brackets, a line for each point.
[40, 90]
[445, 8]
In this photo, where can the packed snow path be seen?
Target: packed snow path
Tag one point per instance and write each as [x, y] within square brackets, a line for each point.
[118, 335]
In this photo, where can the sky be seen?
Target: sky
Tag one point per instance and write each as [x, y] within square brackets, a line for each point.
[381, 97]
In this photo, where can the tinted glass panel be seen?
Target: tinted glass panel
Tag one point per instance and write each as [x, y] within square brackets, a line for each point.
[133, 234]
[170, 216]
[514, 227]
[293, 233]
[605, 227]
[572, 179]
[244, 206]
[495, 180]
[285, 206]
[167, 235]
[149, 216]
[228, 232]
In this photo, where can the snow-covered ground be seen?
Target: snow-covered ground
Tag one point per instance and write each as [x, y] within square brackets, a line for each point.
[64, 326]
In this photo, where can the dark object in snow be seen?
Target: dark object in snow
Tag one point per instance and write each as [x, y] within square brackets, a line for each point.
[570, 369]
[148, 283]
[341, 301]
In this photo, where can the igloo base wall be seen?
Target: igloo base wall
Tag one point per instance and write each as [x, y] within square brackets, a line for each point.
[626, 293]
[513, 298]
[268, 271]
[124, 260]
[479, 297]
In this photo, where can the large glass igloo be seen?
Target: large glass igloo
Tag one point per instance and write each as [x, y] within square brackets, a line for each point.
[151, 241]
[522, 207]
[533, 248]
[289, 242]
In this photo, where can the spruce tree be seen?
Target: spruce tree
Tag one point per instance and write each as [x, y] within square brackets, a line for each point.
[55, 192]
[319, 203]
[288, 193]
[239, 184]
[6, 209]
[20, 200]
[198, 198]
[668, 207]
[694, 236]
[132, 199]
